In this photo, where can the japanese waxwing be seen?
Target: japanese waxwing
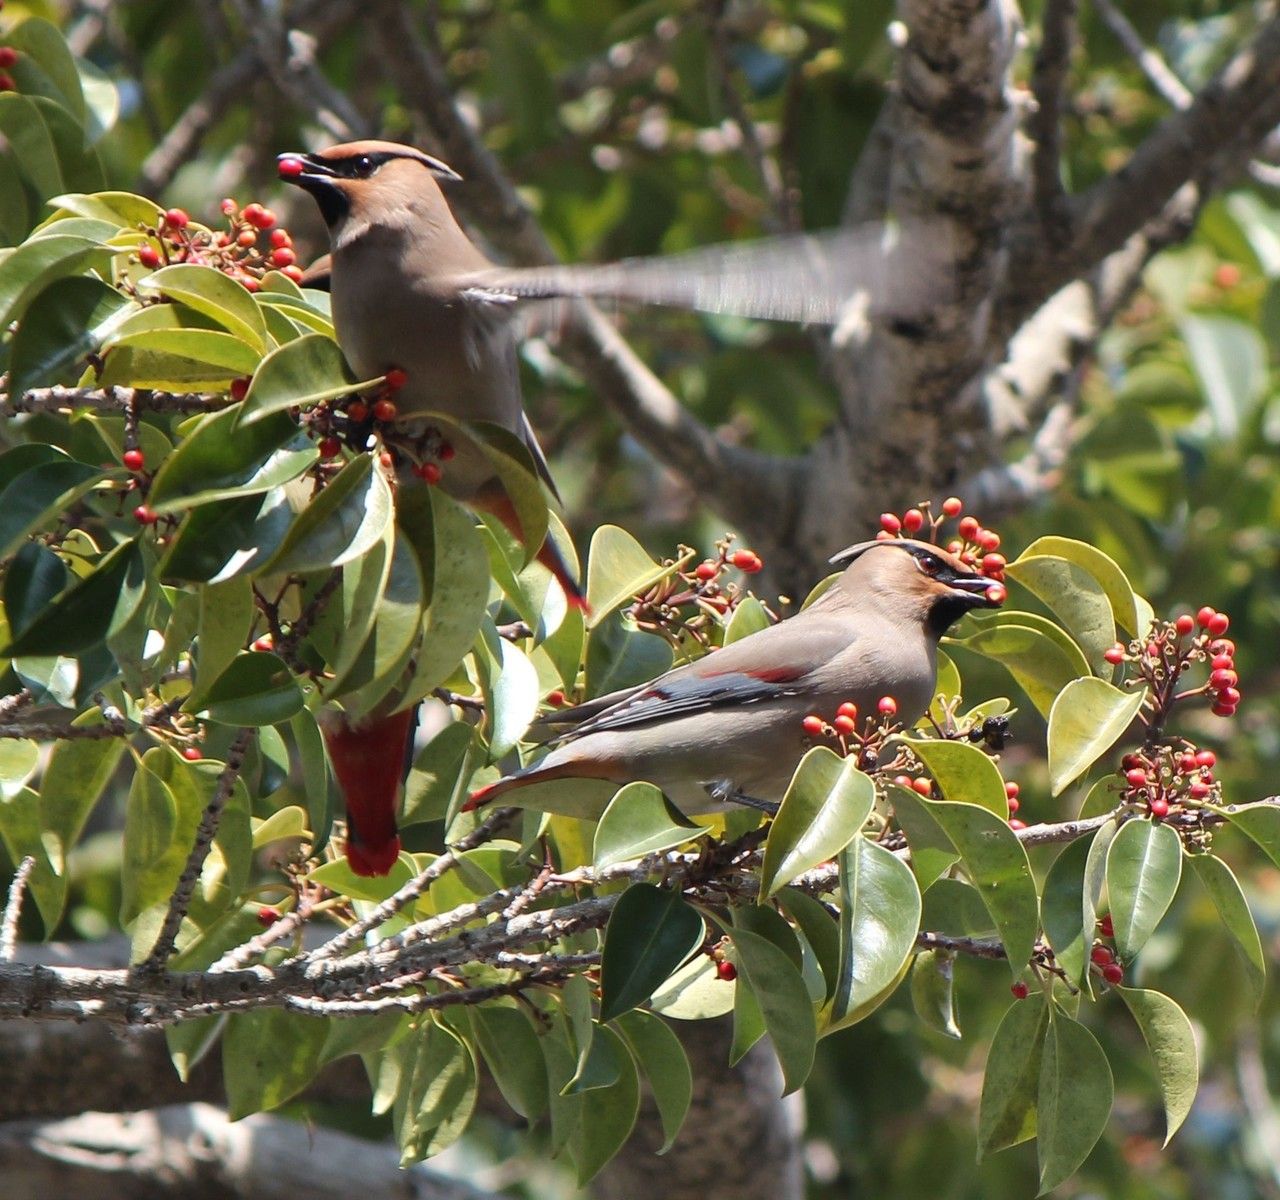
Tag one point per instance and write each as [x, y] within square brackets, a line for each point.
[733, 721]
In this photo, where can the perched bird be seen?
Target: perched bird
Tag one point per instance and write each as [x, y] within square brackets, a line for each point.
[734, 720]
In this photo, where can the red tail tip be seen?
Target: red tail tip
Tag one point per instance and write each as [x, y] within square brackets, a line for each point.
[478, 797]
[578, 600]
[373, 860]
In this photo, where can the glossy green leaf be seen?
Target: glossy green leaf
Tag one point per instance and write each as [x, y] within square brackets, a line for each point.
[1224, 890]
[268, 1057]
[1039, 664]
[931, 850]
[122, 209]
[1261, 824]
[1171, 1041]
[640, 820]
[1065, 909]
[933, 991]
[784, 1003]
[1074, 1100]
[338, 877]
[227, 613]
[603, 1118]
[36, 497]
[515, 468]
[175, 359]
[748, 617]
[962, 772]
[1007, 1114]
[297, 375]
[1087, 719]
[820, 930]
[439, 774]
[75, 778]
[228, 540]
[513, 1052]
[1144, 865]
[22, 831]
[256, 689]
[344, 521]
[695, 992]
[1075, 597]
[511, 695]
[879, 920]
[63, 324]
[650, 933]
[215, 295]
[620, 657]
[617, 568]
[658, 1051]
[35, 264]
[1114, 582]
[437, 1106]
[827, 802]
[1229, 357]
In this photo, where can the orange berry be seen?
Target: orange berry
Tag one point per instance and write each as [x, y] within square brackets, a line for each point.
[952, 506]
[746, 560]
[814, 725]
[890, 523]
[848, 709]
[844, 725]
[912, 520]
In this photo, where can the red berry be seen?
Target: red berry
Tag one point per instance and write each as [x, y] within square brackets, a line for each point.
[1020, 990]
[290, 168]
[1159, 807]
[814, 725]
[952, 506]
[240, 388]
[1222, 662]
[228, 206]
[997, 593]
[968, 528]
[176, 218]
[1229, 696]
[1223, 679]
[1136, 778]
[904, 781]
[923, 786]
[446, 452]
[1012, 790]
[283, 257]
[294, 273]
[955, 546]
[246, 238]
[1223, 710]
[1227, 275]
[330, 447]
[384, 410]
[884, 536]
[1015, 824]
[556, 698]
[134, 460]
[707, 570]
[1186, 762]
[280, 238]
[191, 754]
[1223, 646]
[386, 460]
[148, 255]
[1013, 804]
[8, 56]
[887, 705]
[844, 725]
[7, 83]
[144, 515]
[1105, 927]
[268, 916]
[1204, 616]
[1185, 624]
[1102, 955]
[988, 539]
[1198, 790]
[264, 643]
[848, 709]
[259, 217]
[428, 472]
[1113, 973]
[726, 970]
[1206, 758]
[993, 564]
[912, 520]
[1218, 624]
[396, 379]
[890, 523]
[746, 560]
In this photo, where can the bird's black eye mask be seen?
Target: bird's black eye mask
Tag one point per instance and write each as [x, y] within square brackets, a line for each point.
[318, 174]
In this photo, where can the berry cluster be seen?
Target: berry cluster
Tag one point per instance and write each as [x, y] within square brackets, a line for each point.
[1102, 957]
[8, 56]
[1164, 777]
[1170, 649]
[1011, 792]
[974, 545]
[842, 730]
[251, 246]
[686, 602]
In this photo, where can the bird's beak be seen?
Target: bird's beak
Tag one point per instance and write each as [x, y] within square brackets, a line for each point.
[304, 170]
[978, 590]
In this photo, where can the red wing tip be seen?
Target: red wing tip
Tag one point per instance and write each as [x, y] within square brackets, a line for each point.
[370, 861]
[578, 601]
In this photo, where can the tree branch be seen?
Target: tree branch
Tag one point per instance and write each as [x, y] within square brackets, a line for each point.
[1049, 83]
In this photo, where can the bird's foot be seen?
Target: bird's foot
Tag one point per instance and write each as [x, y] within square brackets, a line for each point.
[723, 791]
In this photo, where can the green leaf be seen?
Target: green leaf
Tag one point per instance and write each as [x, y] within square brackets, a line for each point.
[996, 863]
[347, 519]
[618, 567]
[89, 611]
[1040, 665]
[48, 143]
[1010, 1091]
[1229, 357]
[437, 1106]
[68, 319]
[45, 66]
[123, 209]
[640, 820]
[338, 877]
[228, 540]
[1261, 824]
[1076, 598]
[1220, 882]
[268, 1057]
[931, 850]
[175, 359]
[227, 613]
[1064, 909]
[962, 772]
[827, 802]
[256, 689]
[879, 920]
[22, 831]
[1074, 1101]
[650, 933]
[658, 1051]
[1114, 582]
[40, 494]
[620, 657]
[30, 268]
[1087, 719]
[749, 617]
[316, 786]
[933, 991]
[513, 1052]
[820, 931]
[438, 775]
[299, 374]
[217, 460]
[1171, 1041]
[1144, 865]
[76, 776]
[215, 295]
[515, 468]
[784, 1003]
[603, 1118]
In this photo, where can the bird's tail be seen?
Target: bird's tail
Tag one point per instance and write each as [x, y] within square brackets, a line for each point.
[368, 759]
[539, 772]
[496, 502]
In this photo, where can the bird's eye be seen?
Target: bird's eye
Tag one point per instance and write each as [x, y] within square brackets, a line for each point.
[929, 565]
[364, 166]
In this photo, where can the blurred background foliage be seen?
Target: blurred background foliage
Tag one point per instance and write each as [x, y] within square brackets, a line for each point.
[611, 118]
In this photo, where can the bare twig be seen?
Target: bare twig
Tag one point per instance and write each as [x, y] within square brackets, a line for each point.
[1052, 67]
[13, 908]
[1158, 72]
[114, 399]
[207, 831]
